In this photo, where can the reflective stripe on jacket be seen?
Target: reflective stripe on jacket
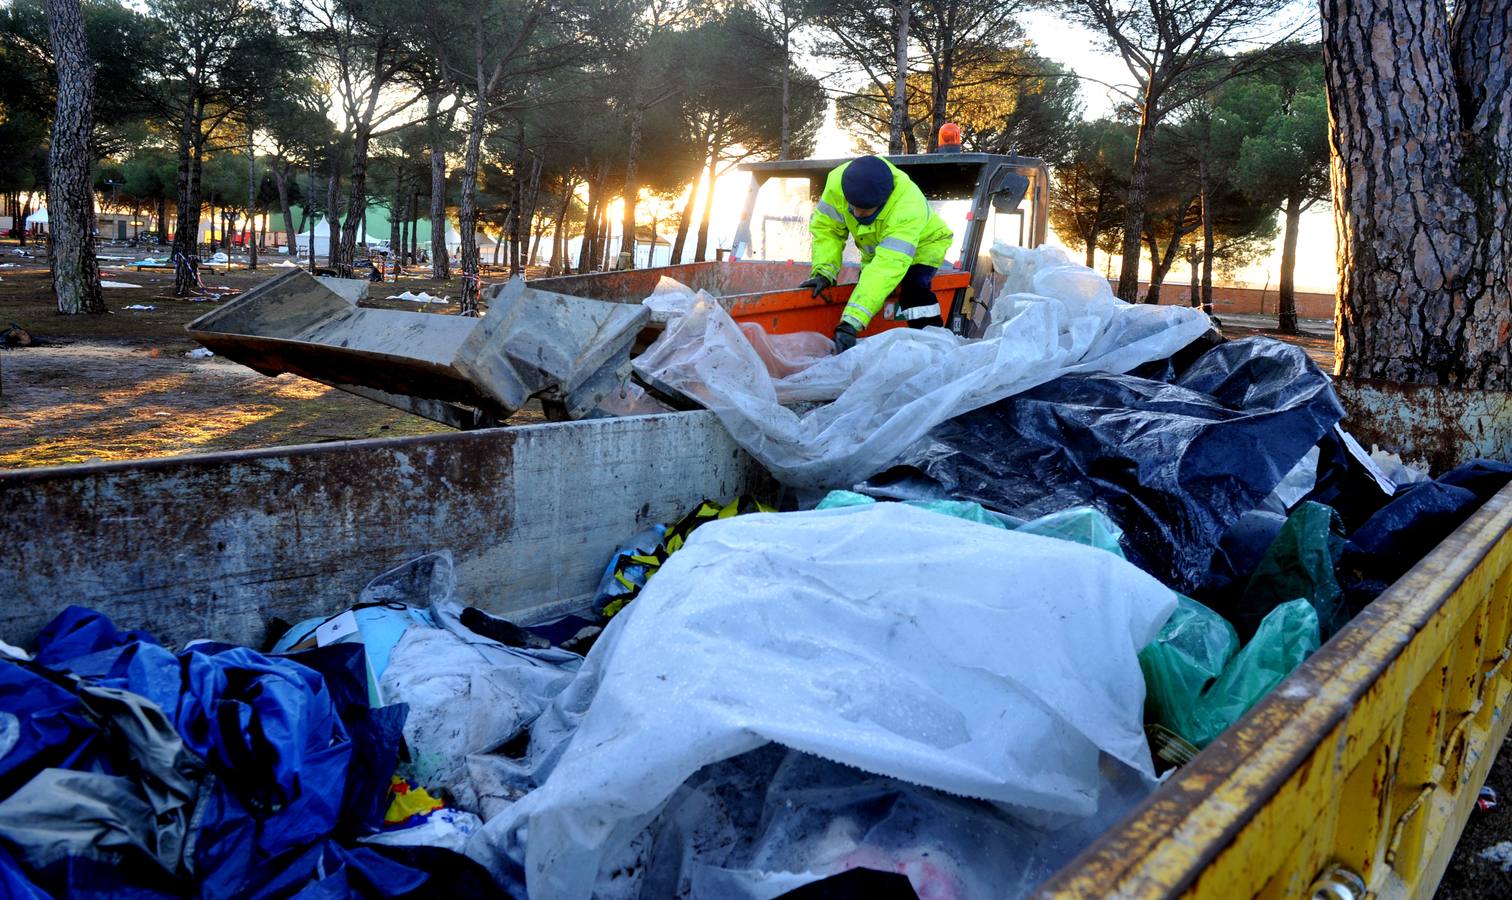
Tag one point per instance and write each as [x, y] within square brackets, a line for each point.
[906, 232]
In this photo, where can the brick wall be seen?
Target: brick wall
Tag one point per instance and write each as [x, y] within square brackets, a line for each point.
[1246, 300]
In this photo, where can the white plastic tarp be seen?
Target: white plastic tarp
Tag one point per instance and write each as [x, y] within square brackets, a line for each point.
[944, 653]
[1054, 318]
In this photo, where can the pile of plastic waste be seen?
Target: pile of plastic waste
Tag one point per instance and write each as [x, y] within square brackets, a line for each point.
[1014, 580]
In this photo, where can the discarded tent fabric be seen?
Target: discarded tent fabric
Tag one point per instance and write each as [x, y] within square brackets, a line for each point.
[287, 773]
[807, 630]
[466, 694]
[116, 813]
[882, 395]
[1174, 465]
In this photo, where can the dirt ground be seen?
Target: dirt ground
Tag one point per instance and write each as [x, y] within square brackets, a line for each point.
[120, 386]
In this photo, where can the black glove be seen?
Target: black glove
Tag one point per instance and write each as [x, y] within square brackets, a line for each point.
[818, 283]
[845, 336]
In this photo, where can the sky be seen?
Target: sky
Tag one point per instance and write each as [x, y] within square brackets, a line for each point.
[1081, 51]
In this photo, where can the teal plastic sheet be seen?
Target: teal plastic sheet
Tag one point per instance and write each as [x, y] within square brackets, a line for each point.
[960, 509]
[1080, 525]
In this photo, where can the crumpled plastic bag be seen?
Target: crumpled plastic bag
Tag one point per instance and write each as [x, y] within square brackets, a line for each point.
[890, 389]
[810, 630]
[1199, 686]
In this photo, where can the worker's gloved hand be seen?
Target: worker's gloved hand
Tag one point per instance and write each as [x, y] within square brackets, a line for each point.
[818, 283]
[845, 336]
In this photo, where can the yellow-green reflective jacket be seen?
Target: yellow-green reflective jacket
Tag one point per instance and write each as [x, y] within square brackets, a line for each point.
[906, 232]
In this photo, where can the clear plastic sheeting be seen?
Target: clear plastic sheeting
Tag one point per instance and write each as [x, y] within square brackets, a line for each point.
[808, 630]
[879, 397]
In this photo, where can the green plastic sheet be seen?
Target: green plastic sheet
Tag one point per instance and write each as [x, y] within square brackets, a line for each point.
[1197, 685]
[1300, 562]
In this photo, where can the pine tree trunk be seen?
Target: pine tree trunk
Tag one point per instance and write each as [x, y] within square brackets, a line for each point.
[786, 150]
[251, 200]
[1193, 261]
[590, 223]
[333, 224]
[1421, 119]
[1091, 257]
[702, 243]
[632, 187]
[187, 198]
[70, 192]
[1205, 196]
[559, 233]
[683, 224]
[440, 259]
[356, 201]
[281, 181]
[467, 214]
[899, 121]
[1287, 301]
[1137, 198]
[309, 217]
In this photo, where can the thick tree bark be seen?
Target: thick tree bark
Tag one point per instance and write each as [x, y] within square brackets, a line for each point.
[440, 259]
[1287, 301]
[467, 214]
[70, 192]
[895, 143]
[1134, 216]
[356, 201]
[1421, 132]
[333, 224]
[186, 229]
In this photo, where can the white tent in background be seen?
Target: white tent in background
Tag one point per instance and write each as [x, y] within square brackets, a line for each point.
[322, 239]
[38, 218]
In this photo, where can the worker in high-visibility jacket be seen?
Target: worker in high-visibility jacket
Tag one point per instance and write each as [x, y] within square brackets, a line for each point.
[902, 242]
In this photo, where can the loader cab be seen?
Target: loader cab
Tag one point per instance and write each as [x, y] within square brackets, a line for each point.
[983, 197]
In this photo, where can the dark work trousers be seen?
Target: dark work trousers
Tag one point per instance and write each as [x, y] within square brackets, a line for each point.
[916, 302]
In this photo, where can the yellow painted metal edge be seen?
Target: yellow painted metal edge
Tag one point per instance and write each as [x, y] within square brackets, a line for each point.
[1274, 775]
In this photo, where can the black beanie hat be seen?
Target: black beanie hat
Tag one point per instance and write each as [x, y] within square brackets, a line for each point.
[867, 182]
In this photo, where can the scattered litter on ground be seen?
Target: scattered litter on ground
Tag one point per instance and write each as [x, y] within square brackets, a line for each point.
[421, 297]
[199, 353]
[139, 306]
[1499, 853]
[1487, 800]
[118, 284]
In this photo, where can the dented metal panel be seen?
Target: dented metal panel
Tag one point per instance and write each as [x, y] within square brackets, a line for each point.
[217, 545]
[570, 351]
